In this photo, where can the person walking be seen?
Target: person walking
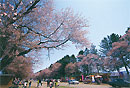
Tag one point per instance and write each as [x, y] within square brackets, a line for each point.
[40, 82]
[48, 82]
[30, 84]
[25, 84]
[51, 85]
[56, 84]
[37, 83]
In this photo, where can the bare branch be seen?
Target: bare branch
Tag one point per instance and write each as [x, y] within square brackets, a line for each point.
[56, 30]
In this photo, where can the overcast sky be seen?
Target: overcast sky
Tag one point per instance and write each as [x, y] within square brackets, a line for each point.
[105, 17]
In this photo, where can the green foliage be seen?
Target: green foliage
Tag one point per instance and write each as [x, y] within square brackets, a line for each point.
[81, 52]
[86, 52]
[106, 43]
[64, 61]
[93, 49]
[72, 58]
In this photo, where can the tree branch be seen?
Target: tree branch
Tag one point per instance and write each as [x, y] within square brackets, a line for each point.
[31, 7]
[58, 44]
[26, 12]
[24, 52]
[56, 29]
[17, 4]
[34, 31]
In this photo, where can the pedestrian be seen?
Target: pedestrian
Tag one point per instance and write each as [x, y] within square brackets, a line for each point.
[40, 82]
[56, 84]
[30, 84]
[37, 83]
[48, 82]
[93, 80]
[53, 82]
[25, 84]
[97, 81]
[51, 85]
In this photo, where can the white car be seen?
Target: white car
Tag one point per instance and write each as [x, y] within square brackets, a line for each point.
[73, 82]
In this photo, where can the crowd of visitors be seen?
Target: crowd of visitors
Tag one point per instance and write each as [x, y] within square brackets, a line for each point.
[52, 83]
[18, 83]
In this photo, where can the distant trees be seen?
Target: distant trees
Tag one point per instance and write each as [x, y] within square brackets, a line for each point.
[51, 72]
[93, 49]
[73, 58]
[27, 25]
[70, 69]
[90, 64]
[106, 43]
[106, 46]
[89, 61]
[64, 61]
[58, 69]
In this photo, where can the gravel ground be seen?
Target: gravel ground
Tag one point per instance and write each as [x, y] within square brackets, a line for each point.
[81, 85]
[66, 85]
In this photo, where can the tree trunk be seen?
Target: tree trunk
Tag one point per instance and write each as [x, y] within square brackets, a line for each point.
[98, 69]
[118, 70]
[128, 76]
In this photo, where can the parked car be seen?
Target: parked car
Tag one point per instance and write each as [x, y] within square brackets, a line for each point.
[73, 81]
[119, 83]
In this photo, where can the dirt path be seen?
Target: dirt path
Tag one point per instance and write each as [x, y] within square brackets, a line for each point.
[81, 85]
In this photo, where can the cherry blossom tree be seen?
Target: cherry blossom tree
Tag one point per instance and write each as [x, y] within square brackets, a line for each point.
[90, 63]
[29, 25]
[51, 72]
[56, 67]
[21, 67]
[46, 73]
[121, 50]
[111, 64]
[70, 69]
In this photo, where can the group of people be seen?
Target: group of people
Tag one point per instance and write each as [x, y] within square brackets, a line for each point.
[26, 83]
[39, 83]
[52, 83]
[17, 82]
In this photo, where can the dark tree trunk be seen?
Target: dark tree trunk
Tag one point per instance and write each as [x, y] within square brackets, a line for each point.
[128, 76]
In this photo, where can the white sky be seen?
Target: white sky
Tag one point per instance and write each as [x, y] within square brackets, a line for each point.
[105, 17]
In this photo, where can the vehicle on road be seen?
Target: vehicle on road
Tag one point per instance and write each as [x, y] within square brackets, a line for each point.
[73, 81]
[119, 83]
